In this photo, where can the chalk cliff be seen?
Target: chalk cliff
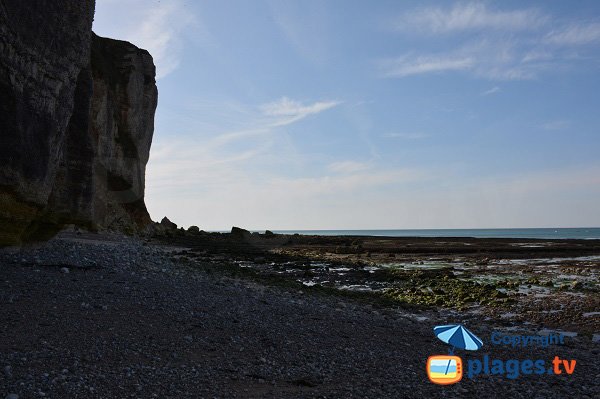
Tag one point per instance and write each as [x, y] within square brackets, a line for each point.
[76, 122]
[122, 124]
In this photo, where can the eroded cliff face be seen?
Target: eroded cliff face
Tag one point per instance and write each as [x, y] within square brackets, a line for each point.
[122, 124]
[76, 122]
[44, 46]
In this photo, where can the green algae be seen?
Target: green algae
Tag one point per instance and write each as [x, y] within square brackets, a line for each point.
[408, 288]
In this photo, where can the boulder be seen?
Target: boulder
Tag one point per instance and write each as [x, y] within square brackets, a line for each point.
[239, 233]
[193, 229]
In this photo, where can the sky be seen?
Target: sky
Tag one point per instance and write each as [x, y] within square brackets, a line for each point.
[370, 114]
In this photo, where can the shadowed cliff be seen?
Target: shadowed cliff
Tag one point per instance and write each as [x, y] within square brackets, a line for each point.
[76, 123]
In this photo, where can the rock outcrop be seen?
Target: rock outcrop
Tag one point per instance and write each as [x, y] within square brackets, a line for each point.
[167, 224]
[76, 122]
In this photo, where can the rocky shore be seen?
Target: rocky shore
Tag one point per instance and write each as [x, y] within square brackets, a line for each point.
[99, 316]
[548, 284]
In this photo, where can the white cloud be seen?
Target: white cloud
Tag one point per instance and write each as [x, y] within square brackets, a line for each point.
[493, 90]
[509, 72]
[290, 111]
[407, 135]
[575, 34]
[216, 158]
[537, 55]
[406, 65]
[489, 58]
[514, 44]
[469, 16]
[157, 27]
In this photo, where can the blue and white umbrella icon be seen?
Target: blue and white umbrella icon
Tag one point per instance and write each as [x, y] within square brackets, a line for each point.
[458, 336]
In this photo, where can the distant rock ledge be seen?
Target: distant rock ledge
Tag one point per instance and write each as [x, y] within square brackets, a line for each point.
[76, 123]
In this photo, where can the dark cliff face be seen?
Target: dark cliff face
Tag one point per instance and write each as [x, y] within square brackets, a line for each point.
[122, 123]
[44, 45]
[76, 122]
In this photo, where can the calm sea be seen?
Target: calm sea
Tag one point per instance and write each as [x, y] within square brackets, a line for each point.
[559, 233]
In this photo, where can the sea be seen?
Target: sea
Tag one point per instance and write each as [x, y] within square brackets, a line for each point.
[580, 233]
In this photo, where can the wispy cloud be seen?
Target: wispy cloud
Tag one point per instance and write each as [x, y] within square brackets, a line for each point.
[469, 16]
[575, 34]
[182, 162]
[536, 55]
[490, 59]
[513, 44]
[493, 90]
[407, 65]
[157, 27]
[407, 135]
[290, 111]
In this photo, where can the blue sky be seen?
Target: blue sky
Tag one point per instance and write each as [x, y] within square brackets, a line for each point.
[370, 114]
